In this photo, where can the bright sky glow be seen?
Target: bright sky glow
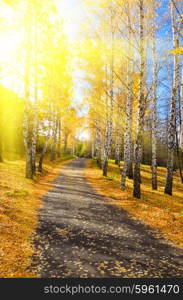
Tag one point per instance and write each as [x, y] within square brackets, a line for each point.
[72, 12]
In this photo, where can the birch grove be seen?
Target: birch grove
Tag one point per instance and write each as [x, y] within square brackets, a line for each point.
[115, 96]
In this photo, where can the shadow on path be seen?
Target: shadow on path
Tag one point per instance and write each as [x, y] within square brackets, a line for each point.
[81, 235]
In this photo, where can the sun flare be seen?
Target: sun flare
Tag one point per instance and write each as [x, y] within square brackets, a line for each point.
[72, 12]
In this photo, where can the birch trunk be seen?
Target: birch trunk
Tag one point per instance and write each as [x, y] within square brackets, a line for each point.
[65, 141]
[73, 148]
[181, 114]
[27, 121]
[154, 109]
[172, 116]
[118, 147]
[93, 148]
[106, 139]
[44, 150]
[108, 134]
[54, 140]
[128, 154]
[98, 146]
[35, 107]
[141, 109]
[59, 139]
[109, 127]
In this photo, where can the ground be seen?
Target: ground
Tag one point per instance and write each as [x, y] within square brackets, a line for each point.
[19, 205]
[81, 233]
[155, 208]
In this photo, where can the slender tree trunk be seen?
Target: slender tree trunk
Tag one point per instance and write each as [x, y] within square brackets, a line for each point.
[54, 140]
[65, 141]
[179, 158]
[27, 122]
[106, 140]
[180, 153]
[181, 114]
[59, 139]
[109, 128]
[128, 164]
[108, 135]
[44, 150]
[73, 148]
[35, 107]
[118, 146]
[154, 109]
[141, 109]
[98, 146]
[172, 117]
[93, 148]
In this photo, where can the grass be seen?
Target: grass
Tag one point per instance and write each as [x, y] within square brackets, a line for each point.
[155, 208]
[19, 205]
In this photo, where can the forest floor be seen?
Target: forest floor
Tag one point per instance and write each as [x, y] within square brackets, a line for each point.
[81, 233]
[19, 205]
[160, 211]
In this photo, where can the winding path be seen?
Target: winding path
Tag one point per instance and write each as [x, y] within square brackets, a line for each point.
[80, 234]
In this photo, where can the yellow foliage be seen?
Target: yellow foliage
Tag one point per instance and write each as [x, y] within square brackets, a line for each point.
[178, 50]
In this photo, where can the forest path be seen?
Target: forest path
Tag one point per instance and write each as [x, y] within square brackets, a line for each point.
[80, 234]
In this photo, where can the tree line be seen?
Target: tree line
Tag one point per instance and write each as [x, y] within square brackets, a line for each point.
[48, 120]
[130, 59]
[135, 86]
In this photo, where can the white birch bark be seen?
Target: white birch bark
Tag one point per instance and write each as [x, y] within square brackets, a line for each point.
[154, 107]
[172, 116]
[181, 113]
[27, 126]
[128, 164]
[141, 109]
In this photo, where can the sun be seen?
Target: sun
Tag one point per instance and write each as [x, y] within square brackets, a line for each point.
[11, 41]
[72, 12]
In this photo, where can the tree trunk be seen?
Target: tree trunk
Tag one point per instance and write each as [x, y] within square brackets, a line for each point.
[179, 158]
[141, 109]
[73, 148]
[35, 107]
[105, 167]
[172, 117]
[109, 127]
[59, 139]
[154, 109]
[118, 147]
[54, 140]
[181, 114]
[44, 150]
[65, 141]
[128, 156]
[34, 136]
[27, 122]
[98, 146]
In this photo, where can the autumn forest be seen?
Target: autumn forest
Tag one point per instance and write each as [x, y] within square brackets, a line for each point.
[91, 138]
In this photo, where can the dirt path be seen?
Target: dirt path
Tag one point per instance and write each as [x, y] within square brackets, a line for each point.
[81, 235]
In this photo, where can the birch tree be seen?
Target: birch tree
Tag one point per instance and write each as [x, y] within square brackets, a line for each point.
[154, 105]
[27, 124]
[172, 115]
[128, 168]
[141, 107]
